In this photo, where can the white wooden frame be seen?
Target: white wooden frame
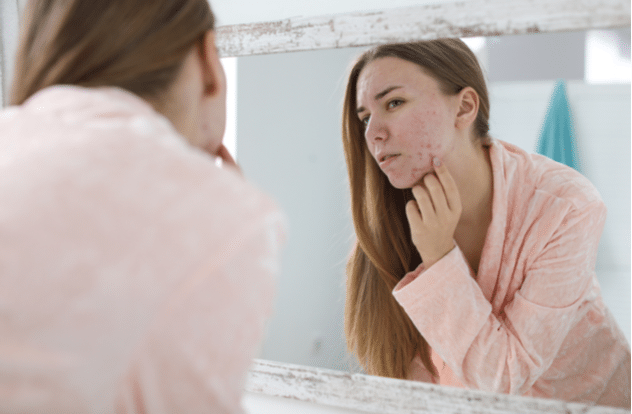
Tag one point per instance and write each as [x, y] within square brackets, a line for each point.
[9, 24]
[380, 395]
[454, 19]
[8, 40]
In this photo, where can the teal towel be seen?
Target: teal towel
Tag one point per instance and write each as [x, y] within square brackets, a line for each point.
[557, 137]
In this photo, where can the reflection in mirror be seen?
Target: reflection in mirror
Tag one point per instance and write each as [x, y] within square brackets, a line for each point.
[289, 143]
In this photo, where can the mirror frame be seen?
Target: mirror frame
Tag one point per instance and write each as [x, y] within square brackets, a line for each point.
[466, 18]
[361, 393]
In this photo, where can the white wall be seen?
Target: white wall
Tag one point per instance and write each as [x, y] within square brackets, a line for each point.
[536, 56]
[289, 143]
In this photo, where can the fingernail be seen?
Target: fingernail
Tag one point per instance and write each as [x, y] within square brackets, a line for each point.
[436, 162]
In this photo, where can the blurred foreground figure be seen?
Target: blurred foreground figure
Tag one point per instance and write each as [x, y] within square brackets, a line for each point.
[136, 275]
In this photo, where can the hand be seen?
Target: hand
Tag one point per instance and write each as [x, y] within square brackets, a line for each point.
[434, 214]
[227, 159]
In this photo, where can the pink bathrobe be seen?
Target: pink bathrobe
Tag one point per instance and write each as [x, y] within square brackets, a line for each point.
[135, 275]
[532, 321]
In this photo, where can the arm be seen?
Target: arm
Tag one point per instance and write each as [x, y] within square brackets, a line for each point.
[196, 355]
[510, 352]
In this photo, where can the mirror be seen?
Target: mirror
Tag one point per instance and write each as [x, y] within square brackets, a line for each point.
[289, 143]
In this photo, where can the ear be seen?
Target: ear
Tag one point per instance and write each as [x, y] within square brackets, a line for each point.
[468, 108]
[213, 72]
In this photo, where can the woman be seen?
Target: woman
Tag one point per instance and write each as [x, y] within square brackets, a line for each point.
[136, 274]
[474, 262]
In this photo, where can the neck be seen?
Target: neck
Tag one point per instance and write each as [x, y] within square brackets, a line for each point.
[473, 177]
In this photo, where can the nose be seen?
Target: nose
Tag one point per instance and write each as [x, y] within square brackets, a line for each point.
[375, 130]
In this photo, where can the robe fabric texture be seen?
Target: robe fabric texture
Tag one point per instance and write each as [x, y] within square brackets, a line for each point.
[136, 275]
[532, 320]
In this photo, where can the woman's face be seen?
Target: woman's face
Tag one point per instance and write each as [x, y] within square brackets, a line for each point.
[408, 120]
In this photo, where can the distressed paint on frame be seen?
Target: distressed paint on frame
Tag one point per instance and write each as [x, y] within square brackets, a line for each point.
[424, 22]
[381, 395]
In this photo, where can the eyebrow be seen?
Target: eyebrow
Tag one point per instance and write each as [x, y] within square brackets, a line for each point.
[380, 95]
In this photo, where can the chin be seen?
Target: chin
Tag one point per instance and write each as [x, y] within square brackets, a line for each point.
[401, 184]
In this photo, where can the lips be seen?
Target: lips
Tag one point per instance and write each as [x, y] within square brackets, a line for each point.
[386, 159]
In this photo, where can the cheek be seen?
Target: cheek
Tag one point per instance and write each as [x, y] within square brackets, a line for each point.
[426, 138]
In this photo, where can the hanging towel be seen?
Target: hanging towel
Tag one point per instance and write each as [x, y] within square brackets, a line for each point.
[557, 137]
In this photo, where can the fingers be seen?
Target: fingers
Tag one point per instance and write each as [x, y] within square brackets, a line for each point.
[223, 153]
[413, 215]
[431, 196]
[434, 214]
[449, 186]
[436, 193]
[227, 159]
[424, 202]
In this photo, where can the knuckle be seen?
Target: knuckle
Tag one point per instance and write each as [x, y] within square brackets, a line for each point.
[432, 183]
[429, 179]
[420, 195]
[412, 212]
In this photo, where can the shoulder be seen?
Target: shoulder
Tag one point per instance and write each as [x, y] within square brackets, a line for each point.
[116, 156]
[185, 186]
[540, 176]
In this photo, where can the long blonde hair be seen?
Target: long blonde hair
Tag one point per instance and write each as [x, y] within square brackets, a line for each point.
[134, 45]
[378, 330]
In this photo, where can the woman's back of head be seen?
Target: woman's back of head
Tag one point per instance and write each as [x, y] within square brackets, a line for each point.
[135, 45]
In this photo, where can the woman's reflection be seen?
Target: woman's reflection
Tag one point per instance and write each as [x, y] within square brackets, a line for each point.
[474, 265]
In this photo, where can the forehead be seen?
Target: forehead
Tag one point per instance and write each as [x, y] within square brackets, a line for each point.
[389, 71]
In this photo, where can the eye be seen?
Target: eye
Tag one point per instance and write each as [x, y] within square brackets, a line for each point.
[394, 103]
[364, 121]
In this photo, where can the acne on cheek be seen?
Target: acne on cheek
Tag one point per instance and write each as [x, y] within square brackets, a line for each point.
[427, 148]
[425, 145]
[423, 162]
[423, 137]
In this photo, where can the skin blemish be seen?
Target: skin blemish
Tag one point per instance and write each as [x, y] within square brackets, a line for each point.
[417, 175]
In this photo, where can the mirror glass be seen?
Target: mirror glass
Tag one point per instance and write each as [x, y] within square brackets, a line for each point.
[289, 144]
